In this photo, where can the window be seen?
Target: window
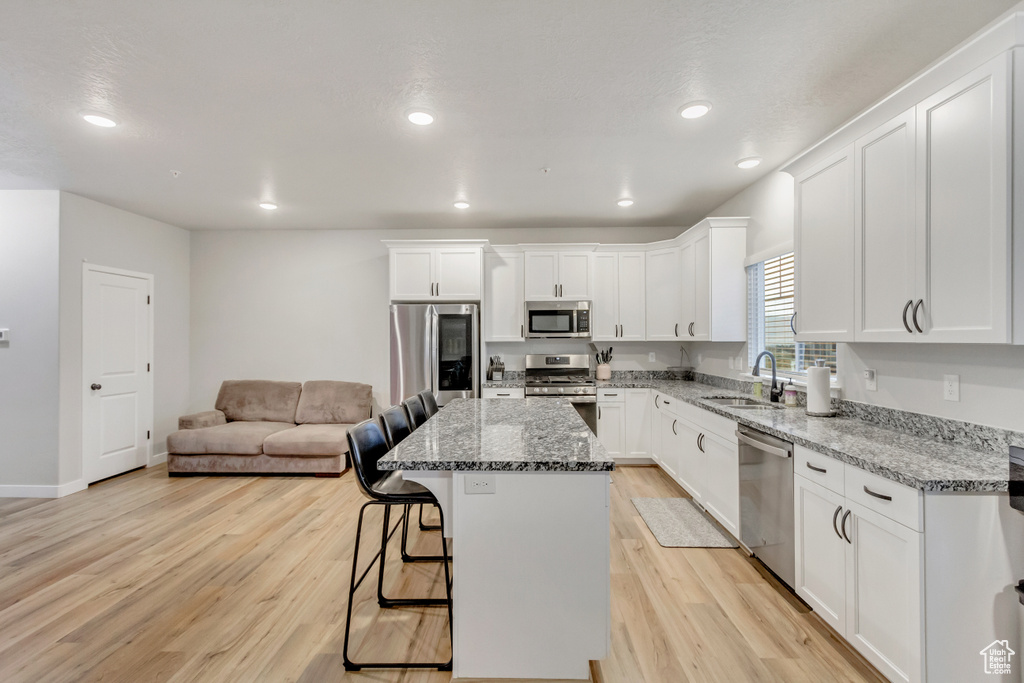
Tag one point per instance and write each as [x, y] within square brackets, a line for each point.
[770, 287]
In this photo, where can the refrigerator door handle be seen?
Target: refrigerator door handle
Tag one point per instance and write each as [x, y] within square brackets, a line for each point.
[435, 352]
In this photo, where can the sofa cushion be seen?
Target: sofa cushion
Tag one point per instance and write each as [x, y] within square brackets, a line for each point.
[255, 400]
[233, 438]
[308, 440]
[329, 402]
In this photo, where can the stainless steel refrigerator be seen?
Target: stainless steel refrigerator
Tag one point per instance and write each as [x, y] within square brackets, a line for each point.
[436, 347]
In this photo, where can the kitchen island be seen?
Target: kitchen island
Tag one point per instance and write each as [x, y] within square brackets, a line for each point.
[524, 489]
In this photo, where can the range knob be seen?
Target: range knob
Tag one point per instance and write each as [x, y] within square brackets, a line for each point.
[544, 390]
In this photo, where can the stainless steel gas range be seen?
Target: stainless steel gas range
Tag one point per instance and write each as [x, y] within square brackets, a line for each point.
[566, 377]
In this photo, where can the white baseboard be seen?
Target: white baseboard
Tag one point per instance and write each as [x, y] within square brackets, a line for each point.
[634, 461]
[35, 491]
[157, 459]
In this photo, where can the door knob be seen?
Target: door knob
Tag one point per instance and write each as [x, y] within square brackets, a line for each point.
[96, 387]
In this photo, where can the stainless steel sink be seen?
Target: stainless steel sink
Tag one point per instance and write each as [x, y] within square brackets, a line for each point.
[741, 403]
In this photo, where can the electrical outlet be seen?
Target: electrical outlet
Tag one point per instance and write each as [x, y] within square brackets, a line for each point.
[650, 357]
[951, 387]
[870, 380]
[479, 483]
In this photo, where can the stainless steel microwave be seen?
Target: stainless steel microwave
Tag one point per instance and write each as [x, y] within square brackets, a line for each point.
[558, 320]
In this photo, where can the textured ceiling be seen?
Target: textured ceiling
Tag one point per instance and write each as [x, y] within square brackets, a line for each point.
[303, 103]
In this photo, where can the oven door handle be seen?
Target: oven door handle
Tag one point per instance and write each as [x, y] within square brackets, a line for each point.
[579, 399]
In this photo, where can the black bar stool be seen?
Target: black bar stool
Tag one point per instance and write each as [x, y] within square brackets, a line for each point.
[417, 413]
[367, 445]
[396, 428]
[429, 402]
[415, 407]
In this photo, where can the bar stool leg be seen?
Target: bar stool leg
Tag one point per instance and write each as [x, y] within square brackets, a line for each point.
[427, 527]
[406, 557]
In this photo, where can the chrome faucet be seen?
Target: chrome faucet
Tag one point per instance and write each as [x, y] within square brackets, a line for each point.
[776, 391]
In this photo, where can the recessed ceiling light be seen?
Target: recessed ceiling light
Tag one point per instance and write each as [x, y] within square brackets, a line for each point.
[625, 202]
[749, 162]
[269, 206]
[694, 110]
[99, 119]
[421, 117]
[461, 205]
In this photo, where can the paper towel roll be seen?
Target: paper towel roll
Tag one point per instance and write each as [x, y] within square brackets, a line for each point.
[819, 400]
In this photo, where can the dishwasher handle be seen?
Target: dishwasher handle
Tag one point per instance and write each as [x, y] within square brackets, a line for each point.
[762, 446]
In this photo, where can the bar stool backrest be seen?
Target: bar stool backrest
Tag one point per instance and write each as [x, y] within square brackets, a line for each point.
[396, 425]
[417, 415]
[429, 403]
[366, 445]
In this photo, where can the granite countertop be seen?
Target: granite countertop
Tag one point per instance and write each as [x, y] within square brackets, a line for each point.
[915, 461]
[504, 384]
[502, 435]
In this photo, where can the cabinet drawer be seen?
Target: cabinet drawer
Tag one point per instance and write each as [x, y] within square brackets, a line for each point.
[611, 395]
[897, 502]
[503, 392]
[819, 468]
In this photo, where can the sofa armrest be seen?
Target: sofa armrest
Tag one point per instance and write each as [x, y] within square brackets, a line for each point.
[210, 418]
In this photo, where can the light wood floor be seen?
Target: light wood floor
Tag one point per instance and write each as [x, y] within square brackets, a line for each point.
[147, 578]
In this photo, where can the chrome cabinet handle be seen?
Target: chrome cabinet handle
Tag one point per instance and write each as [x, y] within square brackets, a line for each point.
[664, 401]
[656, 397]
[700, 443]
[835, 517]
[96, 387]
[905, 309]
[504, 394]
[689, 328]
[674, 428]
[556, 292]
[816, 469]
[611, 394]
[846, 517]
[677, 329]
[791, 325]
[439, 289]
[880, 496]
[599, 412]
[914, 316]
[522, 330]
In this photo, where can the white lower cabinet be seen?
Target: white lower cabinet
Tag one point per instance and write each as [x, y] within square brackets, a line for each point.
[611, 427]
[721, 493]
[860, 570]
[638, 424]
[692, 472]
[671, 443]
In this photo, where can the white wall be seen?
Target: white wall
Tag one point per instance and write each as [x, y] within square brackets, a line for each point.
[103, 235]
[29, 234]
[909, 375]
[301, 305]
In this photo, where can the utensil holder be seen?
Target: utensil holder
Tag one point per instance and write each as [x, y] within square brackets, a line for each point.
[604, 371]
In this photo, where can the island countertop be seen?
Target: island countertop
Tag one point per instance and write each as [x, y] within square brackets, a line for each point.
[499, 435]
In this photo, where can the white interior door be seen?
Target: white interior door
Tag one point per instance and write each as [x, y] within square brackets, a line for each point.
[117, 401]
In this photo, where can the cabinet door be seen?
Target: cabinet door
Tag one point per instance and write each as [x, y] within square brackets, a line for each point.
[503, 297]
[574, 275]
[701, 329]
[722, 491]
[412, 274]
[670, 443]
[825, 251]
[664, 295]
[687, 288]
[883, 593]
[541, 275]
[656, 411]
[886, 262]
[611, 428]
[457, 274]
[632, 302]
[963, 223]
[820, 551]
[605, 313]
[638, 423]
[692, 473]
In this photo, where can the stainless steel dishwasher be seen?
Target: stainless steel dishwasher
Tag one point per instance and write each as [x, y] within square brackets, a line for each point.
[766, 501]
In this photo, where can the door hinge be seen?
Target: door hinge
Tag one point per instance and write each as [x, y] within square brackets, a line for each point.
[147, 434]
[147, 298]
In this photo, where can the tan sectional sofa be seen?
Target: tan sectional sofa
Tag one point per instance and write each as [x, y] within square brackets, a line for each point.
[265, 427]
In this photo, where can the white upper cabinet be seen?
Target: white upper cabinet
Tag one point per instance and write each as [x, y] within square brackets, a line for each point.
[886, 255]
[714, 281]
[424, 272]
[963, 218]
[503, 313]
[619, 296]
[824, 245]
[664, 294]
[558, 275]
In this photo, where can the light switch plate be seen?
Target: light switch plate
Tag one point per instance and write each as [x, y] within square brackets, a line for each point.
[951, 387]
[5, 335]
[650, 357]
[870, 380]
